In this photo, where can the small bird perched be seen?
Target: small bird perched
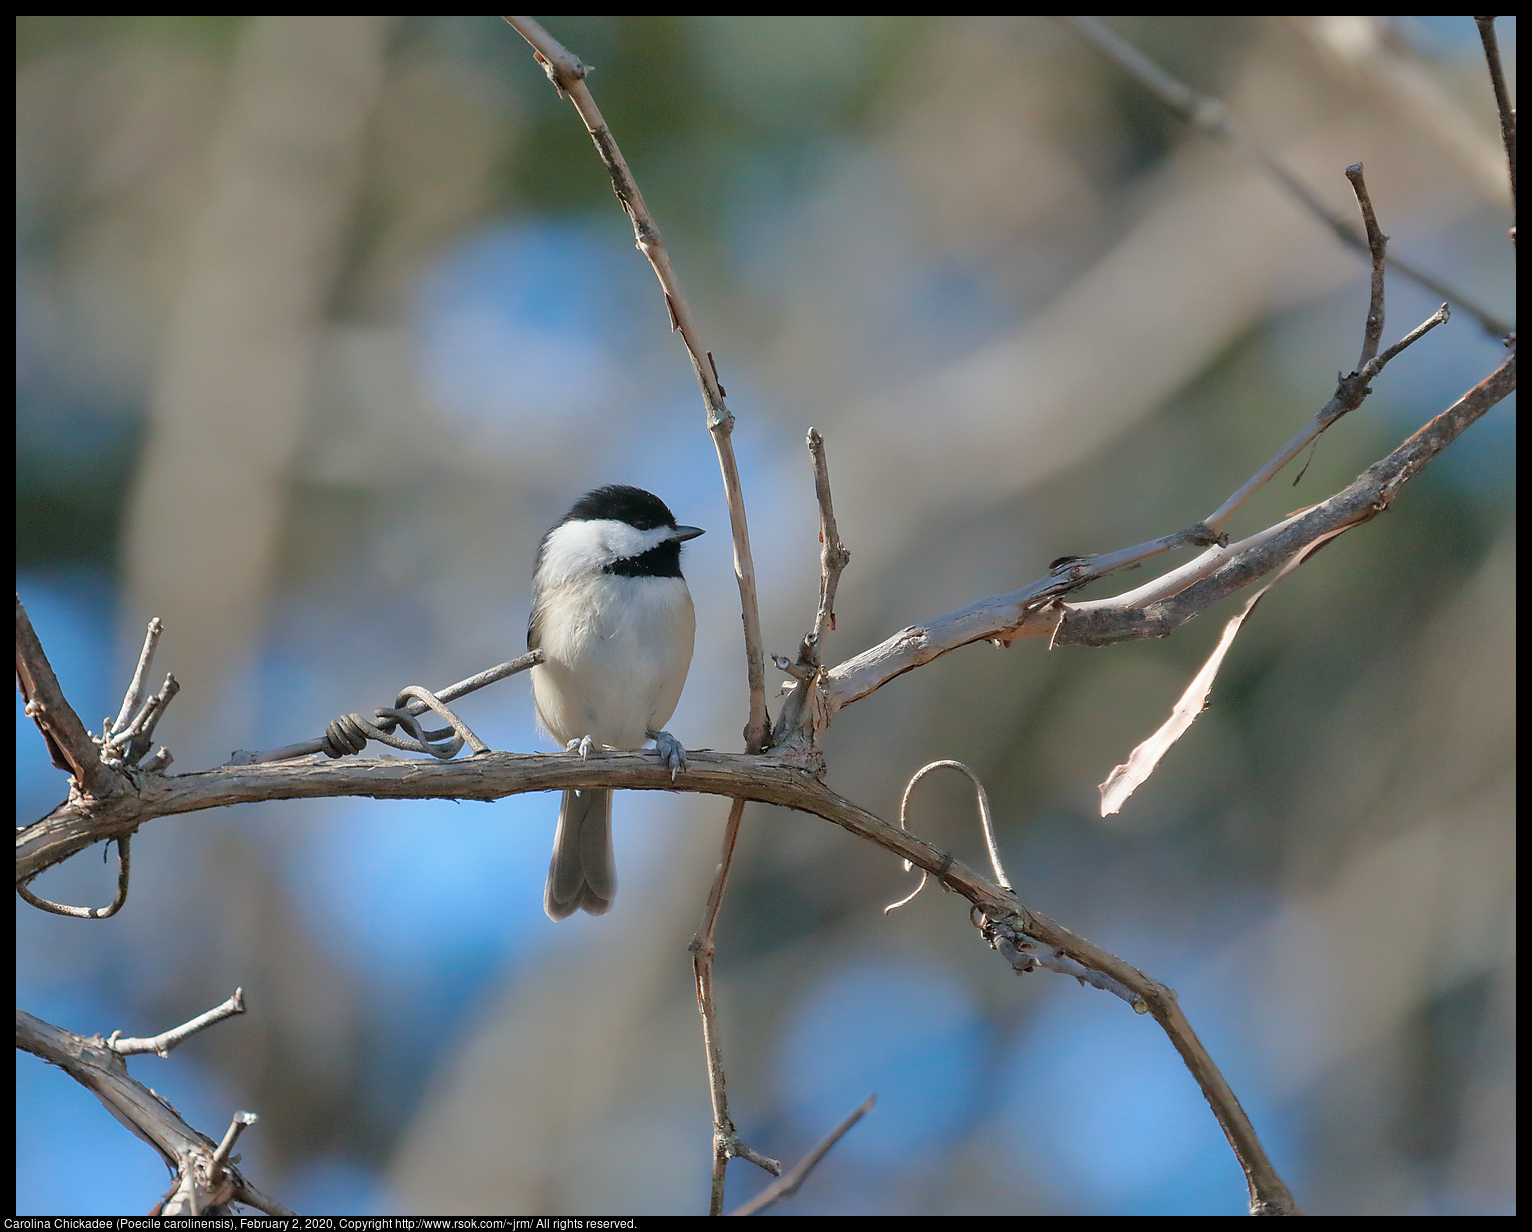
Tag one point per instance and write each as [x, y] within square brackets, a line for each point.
[614, 620]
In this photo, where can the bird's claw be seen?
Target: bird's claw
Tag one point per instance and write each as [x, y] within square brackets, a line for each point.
[672, 752]
[582, 746]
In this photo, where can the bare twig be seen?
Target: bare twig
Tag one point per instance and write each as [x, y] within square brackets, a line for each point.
[1211, 117]
[788, 1185]
[1502, 100]
[1377, 244]
[833, 557]
[1350, 393]
[127, 746]
[1080, 569]
[568, 76]
[88, 913]
[92, 1062]
[69, 744]
[135, 692]
[804, 718]
[726, 1141]
[162, 1043]
[241, 1122]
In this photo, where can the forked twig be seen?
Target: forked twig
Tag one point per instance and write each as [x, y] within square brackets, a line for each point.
[162, 1043]
[1377, 245]
[804, 715]
[135, 692]
[786, 1186]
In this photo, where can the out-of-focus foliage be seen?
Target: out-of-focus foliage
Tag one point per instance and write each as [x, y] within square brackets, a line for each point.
[1032, 317]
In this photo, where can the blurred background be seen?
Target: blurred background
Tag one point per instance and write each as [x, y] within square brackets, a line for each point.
[322, 321]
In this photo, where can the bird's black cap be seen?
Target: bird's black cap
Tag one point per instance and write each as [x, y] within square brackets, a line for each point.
[621, 503]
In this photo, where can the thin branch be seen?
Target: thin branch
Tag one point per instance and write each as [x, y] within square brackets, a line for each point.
[69, 743]
[88, 913]
[1377, 244]
[788, 1185]
[1350, 393]
[567, 73]
[135, 691]
[1017, 938]
[804, 718]
[1211, 117]
[726, 1141]
[162, 1043]
[240, 1122]
[1502, 101]
[833, 557]
[1081, 569]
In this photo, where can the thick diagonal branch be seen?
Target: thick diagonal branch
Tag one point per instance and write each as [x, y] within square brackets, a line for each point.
[69, 743]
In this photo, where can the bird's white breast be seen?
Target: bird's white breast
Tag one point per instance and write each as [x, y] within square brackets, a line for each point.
[617, 650]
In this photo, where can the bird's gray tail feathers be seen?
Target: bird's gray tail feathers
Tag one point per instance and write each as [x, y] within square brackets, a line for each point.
[581, 875]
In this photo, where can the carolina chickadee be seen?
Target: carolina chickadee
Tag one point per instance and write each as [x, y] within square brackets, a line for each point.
[614, 619]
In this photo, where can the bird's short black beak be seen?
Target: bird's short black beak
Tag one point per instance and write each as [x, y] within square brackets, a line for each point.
[683, 533]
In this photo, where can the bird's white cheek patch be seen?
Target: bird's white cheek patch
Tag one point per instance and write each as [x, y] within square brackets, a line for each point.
[578, 549]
